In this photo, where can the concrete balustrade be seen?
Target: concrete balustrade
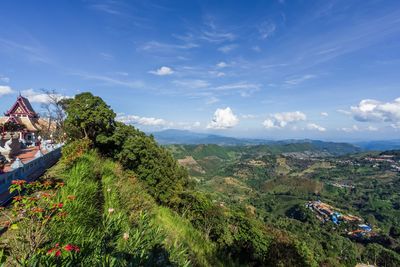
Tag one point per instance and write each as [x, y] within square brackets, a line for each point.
[29, 171]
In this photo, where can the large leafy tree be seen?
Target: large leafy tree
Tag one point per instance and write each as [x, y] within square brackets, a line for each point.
[153, 164]
[88, 116]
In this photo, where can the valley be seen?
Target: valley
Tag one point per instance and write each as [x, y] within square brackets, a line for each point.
[275, 185]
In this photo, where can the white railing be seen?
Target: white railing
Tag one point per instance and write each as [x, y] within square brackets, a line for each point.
[30, 171]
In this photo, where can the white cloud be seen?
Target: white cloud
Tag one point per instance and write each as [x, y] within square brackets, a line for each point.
[106, 56]
[39, 97]
[162, 71]
[227, 48]
[256, 48]
[4, 79]
[269, 124]
[372, 128]
[313, 126]
[239, 85]
[212, 100]
[369, 110]
[266, 29]
[196, 124]
[345, 112]
[217, 73]
[354, 128]
[222, 64]
[324, 114]
[154, 46]
[5, 90]
[298, 80]
[395, 126]
[146, 121]
[223, 119]
[212, 34]
[248, 116]
[193, 84]
[111, 81]
[281, 120]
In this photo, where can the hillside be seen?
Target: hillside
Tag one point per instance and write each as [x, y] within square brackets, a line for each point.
[118, 198]
[274, 185]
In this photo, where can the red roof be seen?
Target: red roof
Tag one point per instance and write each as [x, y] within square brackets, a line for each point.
[22, 107]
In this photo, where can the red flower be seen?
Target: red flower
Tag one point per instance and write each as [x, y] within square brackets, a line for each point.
[58, 205]
[33, 199]
[18, 182]
[17, 198]
[58, 251]
[70, 197]
[47, 183]
[38, 210]
[70, 247]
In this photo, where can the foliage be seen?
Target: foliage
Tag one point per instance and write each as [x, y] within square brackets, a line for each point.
[89, 117]
[380, 256]
[154, 165]
[31, 216]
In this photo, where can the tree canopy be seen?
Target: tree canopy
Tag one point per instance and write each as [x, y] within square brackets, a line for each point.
[89, 117]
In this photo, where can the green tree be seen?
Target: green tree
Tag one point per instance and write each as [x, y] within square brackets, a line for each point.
[153, 164]
[88, 117]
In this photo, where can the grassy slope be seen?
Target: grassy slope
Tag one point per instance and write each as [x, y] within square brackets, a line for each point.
[100, 185]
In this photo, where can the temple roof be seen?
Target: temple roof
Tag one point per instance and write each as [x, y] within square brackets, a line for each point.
[22, 107]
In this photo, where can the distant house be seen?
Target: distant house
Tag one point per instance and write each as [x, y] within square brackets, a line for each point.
[22, 113]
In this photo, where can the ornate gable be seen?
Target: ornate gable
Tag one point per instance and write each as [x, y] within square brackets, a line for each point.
[22, 107]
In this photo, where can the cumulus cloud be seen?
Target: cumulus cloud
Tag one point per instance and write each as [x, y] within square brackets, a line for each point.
[325, 114]
[223, 119]
[313, 126]
[369, 110]
[40, 97]
[5, 90]
[146, 121]
[281, 120]
[163, 71]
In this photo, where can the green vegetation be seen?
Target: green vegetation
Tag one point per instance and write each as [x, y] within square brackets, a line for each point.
[117, 198]
[273, 184]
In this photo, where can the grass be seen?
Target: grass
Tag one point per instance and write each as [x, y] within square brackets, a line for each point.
[180, 233]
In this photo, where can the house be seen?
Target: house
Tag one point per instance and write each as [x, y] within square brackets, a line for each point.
[22, 114]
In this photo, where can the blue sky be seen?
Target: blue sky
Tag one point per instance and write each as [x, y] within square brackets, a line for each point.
[272, 69]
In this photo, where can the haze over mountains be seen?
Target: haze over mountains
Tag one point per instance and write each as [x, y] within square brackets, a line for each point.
[173, 136]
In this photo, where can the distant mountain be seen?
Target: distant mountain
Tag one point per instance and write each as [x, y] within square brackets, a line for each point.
[180, 137]
[379, 145]
[172, 136]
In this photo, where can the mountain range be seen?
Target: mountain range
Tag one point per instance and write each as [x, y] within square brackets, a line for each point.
[173, 136]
